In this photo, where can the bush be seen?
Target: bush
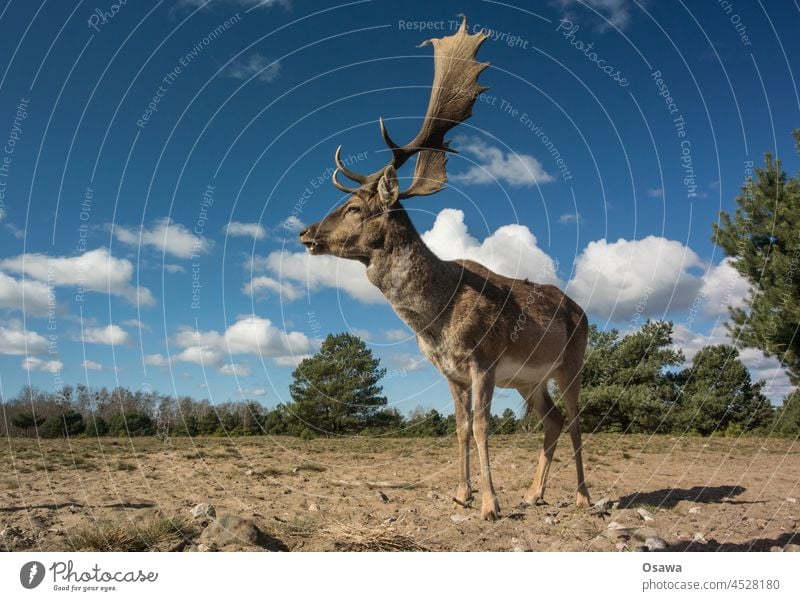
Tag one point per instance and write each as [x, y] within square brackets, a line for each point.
[69, 423]
[132, 423]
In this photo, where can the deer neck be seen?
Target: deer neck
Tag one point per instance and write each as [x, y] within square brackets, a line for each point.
[414, 280]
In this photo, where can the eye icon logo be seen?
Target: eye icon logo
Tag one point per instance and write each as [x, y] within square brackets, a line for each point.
[31, 574]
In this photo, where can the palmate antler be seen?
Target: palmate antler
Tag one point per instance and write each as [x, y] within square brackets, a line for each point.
[455, 89]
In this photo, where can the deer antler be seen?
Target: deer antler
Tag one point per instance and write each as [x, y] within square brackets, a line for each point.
[454, 91]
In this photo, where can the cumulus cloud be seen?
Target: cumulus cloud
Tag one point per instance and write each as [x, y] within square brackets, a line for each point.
[241, 370]
[249, 335]
[769, 369]
[260, 286]
[27, 294]
[249, 230]
[651, 276]
[398, 335]
[568, 218]
[111, 334]
[615, 12]
[250, 392]
[293, 224]
[157, 359]
[16, 340]
[166, 236]
[511, 250]
[95, 271]
[92, 365]
[263, 68]
[173, 268]
[407, 361]
[494, 165]
[36, 364]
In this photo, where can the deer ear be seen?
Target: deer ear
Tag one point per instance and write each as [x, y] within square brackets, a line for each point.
[388, 188]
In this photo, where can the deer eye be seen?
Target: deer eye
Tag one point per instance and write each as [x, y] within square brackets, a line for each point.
[353, 209]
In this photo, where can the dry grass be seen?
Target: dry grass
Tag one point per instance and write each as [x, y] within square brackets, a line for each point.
[162, 534]
[351, 537]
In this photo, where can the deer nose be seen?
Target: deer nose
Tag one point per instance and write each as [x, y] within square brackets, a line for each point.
[304, 232]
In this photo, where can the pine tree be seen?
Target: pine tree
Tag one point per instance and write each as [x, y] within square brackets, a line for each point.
[763, 241]
[336, 391]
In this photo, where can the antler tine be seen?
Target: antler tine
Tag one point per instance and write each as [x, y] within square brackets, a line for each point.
[356, 177]
[400, 154]
[339, 185]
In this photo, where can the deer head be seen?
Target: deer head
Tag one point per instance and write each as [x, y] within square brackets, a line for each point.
[359, 225]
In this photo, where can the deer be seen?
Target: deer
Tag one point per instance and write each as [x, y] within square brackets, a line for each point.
[481, 330]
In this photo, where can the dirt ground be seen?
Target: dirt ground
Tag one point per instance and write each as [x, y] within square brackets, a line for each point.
[361, 494]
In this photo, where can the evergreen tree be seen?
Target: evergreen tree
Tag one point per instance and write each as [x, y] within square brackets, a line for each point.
[26, 421]
[762, 240]
[787, 417]
[336, 390]
[718, 394]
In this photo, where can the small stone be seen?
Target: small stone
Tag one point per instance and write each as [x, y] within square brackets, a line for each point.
[203, 548]
[382, 497]
[699, 537]
[432, 495]
[550, 520]
[233, 530]
[313, 507]
[621, 546]
[601, 507]
[564, 504]
[459, 518]
[514, 540]
[791, 500]
[390, 520]
[519, 549]
[655, 543]
[694, 510]
[249, 473]
[645, 515]
[614, 526]
[412, 510]
[203, 510]
[776, 549]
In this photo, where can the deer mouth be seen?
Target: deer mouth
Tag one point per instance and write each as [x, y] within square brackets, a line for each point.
[315, 247]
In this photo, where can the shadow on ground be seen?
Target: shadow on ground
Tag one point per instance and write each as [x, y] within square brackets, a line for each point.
[670, 497]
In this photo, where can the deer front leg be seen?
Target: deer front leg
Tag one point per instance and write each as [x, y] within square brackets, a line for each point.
[462, 399]
[482, 390]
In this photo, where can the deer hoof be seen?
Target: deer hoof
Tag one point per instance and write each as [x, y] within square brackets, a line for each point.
[582, 499]
[490, 510]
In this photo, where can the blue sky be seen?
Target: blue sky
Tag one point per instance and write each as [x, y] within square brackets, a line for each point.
[158, 158]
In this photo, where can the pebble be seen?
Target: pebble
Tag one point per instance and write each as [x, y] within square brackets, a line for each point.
[249, 473]
[432, 495]
[776, 549]
[699, 537]
[791, 500]
[203, 548]
[202, 510]
[459, 518]
[645, 515]
[694, 510]
[621, 546]
[550, 520]
[313, 507]
[654, 543]
[519, 549]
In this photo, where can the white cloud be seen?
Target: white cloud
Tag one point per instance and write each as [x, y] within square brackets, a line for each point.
[135, 323]
[250, 230]
[361, 333]
[260, 285]
[511, 250]
[33, 295]
[408, 362]
[398, 335]
[258, 65]
[2, 213]
[241, 370]
[655, 192]
[111, 334]
[157, 359]
[173, 268]
[166, 236]
[651, 277]
[761, 367]
[95, 271]
[92, 365]
[290, 360]
[568, 218]
[293, 224]
[16, 340]
[494, 165]
[317, 272]
[249, 335]
[36, 364]
[617, 12]
[248, 392]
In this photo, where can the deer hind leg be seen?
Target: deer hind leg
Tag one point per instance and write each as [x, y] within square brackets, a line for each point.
[539, 400]
[482, 390]
[570, 385]
[462, 399]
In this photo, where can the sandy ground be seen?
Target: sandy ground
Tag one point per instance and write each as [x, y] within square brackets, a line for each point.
[702, 494]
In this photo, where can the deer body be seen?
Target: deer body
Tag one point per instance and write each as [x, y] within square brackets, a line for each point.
[480, 329]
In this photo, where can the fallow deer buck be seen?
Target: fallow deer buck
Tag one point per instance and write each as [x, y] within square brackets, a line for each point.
[479, 328]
